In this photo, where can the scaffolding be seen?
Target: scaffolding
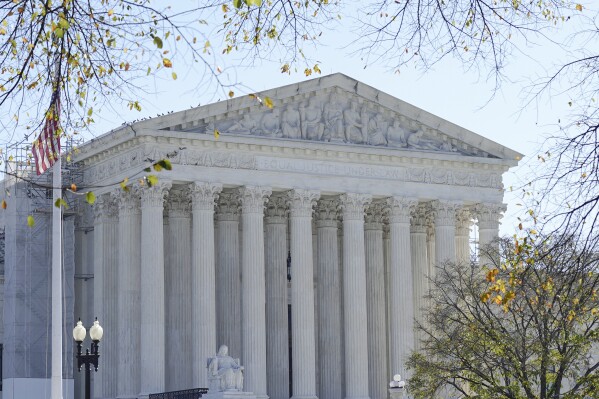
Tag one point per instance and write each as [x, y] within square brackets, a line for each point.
[20, 165]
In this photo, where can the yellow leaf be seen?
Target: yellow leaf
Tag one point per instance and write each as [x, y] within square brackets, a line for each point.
[174, 76]
[73, 187]
[124, 184]
[30, 221]
[167, 63]
[152, 180]
[231, 93]
[268, 102]
[216, 134]
[4, 205]
[90, 197]
[110, 12]
[578, 7]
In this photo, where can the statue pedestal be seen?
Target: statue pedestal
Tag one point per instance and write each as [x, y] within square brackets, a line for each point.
[229, 395]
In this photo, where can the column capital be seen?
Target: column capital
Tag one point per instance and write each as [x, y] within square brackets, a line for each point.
[352, 205]
[228, 207]
[301, 202]
[204, 195]
[488, 215]
[445, 212]
[154, 196]
[463, 220]
[400, 208]
[327, 213]
[128, 200]
[420, 218]
[253, 198]
[276, 210]
[106, 208]
[179, 203]
[375, 213]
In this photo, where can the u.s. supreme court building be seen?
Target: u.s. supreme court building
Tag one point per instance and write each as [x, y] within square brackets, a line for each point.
[302, 238]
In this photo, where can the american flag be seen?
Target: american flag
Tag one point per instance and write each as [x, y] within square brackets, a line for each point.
[46, 149]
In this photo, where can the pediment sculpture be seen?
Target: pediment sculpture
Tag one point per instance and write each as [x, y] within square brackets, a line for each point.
[224, 372]
[338, 118]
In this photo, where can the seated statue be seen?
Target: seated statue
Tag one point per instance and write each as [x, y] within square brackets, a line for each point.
[224, 372]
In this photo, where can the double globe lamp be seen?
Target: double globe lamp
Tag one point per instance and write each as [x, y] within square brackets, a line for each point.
[88, 358]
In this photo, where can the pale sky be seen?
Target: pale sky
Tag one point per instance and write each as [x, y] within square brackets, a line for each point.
[447, 90]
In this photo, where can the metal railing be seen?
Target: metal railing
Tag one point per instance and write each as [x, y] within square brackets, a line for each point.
[195, 393]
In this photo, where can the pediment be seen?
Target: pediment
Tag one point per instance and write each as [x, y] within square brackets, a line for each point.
[334, 109]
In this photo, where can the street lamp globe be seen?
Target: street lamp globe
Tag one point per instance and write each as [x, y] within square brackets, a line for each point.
[96, 331]
[79, 332]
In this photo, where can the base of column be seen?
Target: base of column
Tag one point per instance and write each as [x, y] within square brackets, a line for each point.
[304, 397]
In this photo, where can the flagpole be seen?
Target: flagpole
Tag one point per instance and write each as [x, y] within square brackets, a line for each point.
[56, 380]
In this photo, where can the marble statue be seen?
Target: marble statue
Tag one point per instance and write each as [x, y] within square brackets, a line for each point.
[396, 136]
[353, 124]
[311, 120]
[245, 125]
[270, 125]
[376, 127]
[418, 141]
[224, 372]
[290, 123]
[333, 118]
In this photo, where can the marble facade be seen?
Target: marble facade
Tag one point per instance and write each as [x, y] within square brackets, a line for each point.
[361, 191]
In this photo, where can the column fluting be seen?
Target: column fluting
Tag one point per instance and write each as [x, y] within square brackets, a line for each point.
[420, 264]
[152, 326]
[178, 291]
[401, 295]
[253, 292]
[488, 216]
[375, 294]
[129, 287]
[330, 346]
[462, 235]
[277, 335]
[203, 196]
[444, 212]
[228, 273]
[301, 203]
[354, 295]
[105, 288]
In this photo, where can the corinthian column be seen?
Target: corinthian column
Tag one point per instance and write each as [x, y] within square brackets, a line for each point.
[253, 296]
[401, 296]
[152, 289]
[444, 212]
[420, 266]
[330, 361]
[488, 216]
[462, 235]
[178, 292]
[203, 281]
[354, 295]
[106, 243]
[302, 293]
[375, 294]
[228, 274]
[129, 286]
[277, 337]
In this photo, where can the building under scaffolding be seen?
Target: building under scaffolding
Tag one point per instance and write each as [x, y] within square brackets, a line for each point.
[26, 273]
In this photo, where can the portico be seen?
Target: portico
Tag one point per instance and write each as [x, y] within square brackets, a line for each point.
[201, 257]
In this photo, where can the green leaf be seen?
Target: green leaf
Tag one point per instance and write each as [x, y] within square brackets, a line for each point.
[90, 197]
[147, 170]
[90, 111]
[165, 164]
[30, 221]
[158, 41]
[237, 3]
[61, 202]
[152, 180]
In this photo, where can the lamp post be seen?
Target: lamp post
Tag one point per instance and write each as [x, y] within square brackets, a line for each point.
[88, 359]
[396, 387]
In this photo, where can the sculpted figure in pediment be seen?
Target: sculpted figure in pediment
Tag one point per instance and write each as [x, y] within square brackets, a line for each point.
[245, 125]
[353, 121]
[418, 141]
[270, 124]
[311, 120]
[376, 127]
[290, 123]
[396, 135]
[333, 119]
